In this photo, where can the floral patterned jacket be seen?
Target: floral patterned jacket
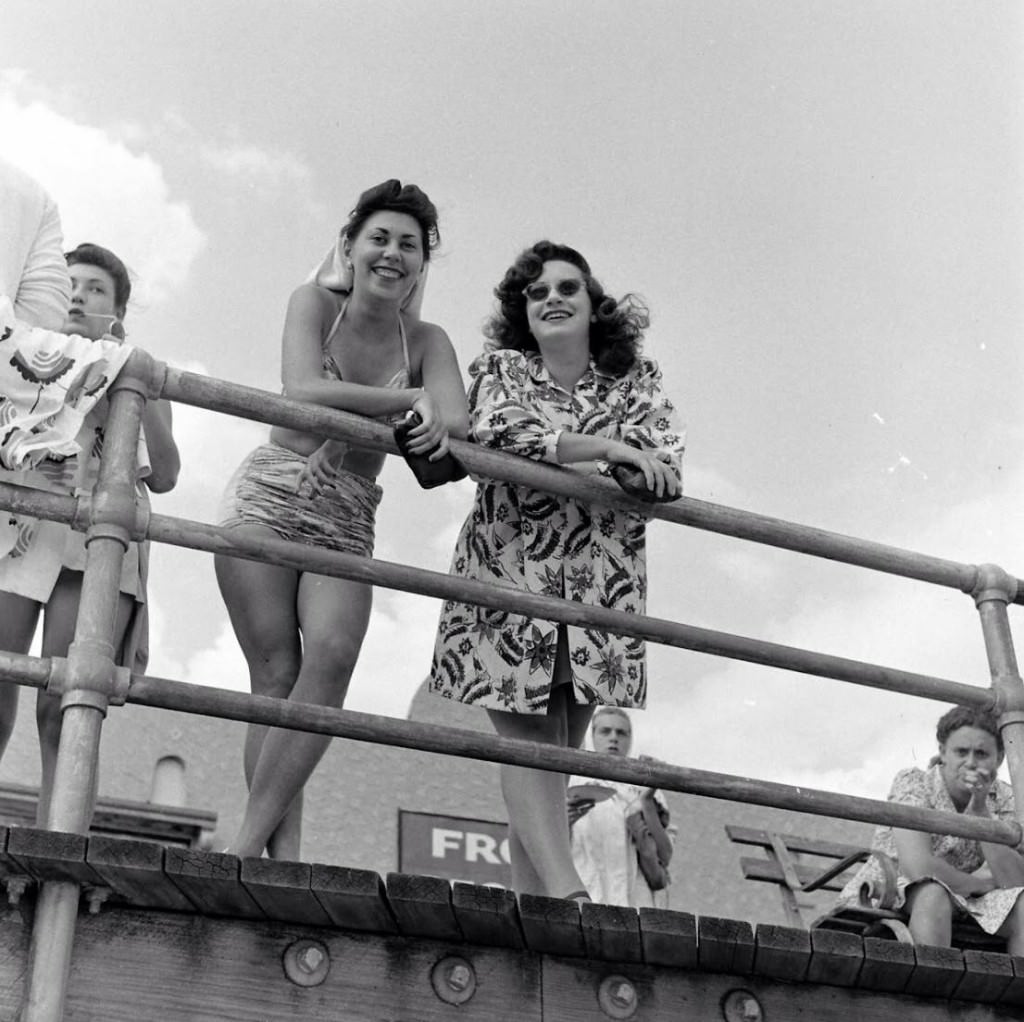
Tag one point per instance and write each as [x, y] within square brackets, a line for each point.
[550, 545]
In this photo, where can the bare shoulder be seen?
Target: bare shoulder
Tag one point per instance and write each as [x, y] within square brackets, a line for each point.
[425, 337]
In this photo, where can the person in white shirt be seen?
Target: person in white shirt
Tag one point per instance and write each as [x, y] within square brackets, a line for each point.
[621, 846]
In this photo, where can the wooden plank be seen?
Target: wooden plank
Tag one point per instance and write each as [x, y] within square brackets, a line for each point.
[611, 932]
[836, 958]
[352, 898]
[782, 952]
[986, 976]
[772, 873]
[794, 842]
[1014, 992]
[551, 925]
[134, 870]
[487, 915]
[52, 855]
[668, 938]
[725, 945]
[281, 889]
[210, 881]
[887, 965]
[422, 906]
[937, 971]
[136, 966]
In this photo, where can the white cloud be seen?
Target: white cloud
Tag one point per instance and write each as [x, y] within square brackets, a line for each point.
[107, 193]
[264, 169]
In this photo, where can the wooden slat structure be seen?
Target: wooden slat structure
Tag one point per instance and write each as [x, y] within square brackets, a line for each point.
[256, 939]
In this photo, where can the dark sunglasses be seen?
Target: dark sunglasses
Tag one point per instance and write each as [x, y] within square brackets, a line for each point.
[537, 292]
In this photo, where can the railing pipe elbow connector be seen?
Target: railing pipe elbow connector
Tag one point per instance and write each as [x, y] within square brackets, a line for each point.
[143, 374]
[993, 583]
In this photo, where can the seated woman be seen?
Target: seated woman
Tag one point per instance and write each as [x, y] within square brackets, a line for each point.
[44, 570]
[563, 382]
[620, 840]
[352, 340]
[941, 876]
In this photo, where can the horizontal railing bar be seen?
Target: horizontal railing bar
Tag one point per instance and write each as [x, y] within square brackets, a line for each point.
[24, 500]
[21, 669]
[166, 694]
[200, 536]
[250, 403]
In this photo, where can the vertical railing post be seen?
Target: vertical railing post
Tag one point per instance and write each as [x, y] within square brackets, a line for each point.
[994, 589]
[87, 682]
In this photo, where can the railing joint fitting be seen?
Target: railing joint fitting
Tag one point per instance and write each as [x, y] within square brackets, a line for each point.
[142, 374]
[993, 583]
[85, 697]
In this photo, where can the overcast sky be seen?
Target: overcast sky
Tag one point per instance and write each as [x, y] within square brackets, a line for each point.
[821, 203]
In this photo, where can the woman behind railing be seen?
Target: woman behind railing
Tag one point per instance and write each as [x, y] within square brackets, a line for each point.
[352, 340]
[565, 384]
[941, 877]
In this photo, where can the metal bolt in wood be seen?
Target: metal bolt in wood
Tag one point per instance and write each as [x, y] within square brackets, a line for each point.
[453, 979]
[307, 962]
[741, 1006]
[617, 997]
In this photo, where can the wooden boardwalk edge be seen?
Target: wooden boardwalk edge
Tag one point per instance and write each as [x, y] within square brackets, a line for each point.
[170, 895]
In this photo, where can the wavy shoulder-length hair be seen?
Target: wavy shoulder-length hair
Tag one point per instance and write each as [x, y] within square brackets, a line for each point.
[615, 334]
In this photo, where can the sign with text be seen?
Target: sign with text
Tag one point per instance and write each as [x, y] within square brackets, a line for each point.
[452, 847]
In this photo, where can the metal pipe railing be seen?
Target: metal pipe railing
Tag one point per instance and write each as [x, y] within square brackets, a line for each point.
[187, 697]
[213, 539]
[249, 403]
[88, 679]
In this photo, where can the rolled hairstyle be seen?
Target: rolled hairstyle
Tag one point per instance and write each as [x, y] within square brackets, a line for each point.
[615, 335]
[97, 255]
[392, 195]
[969, 716]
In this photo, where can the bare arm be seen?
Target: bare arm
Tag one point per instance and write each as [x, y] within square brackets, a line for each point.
[1006, 864]
[165, 461]
[916, 860]
[442, 379]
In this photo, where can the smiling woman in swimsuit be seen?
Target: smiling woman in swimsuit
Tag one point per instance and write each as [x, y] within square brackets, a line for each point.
[353, 341]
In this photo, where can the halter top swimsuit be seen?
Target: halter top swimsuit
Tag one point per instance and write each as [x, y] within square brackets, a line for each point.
[400, 381]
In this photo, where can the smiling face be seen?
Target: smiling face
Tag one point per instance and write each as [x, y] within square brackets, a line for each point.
[612, 734]
[387, 255]
[93, 308]
[559, 318]
[970, 757]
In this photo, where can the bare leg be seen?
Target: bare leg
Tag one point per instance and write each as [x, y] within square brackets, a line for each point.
[539, 843]
[59, 622]
[1013, 929]
[18, 618]
[261, 602]
[931, 914]
[333, 615]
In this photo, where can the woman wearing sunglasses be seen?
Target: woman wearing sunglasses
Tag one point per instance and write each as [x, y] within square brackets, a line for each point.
[562, 381]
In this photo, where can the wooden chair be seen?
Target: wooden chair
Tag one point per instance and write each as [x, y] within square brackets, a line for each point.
[784, 862]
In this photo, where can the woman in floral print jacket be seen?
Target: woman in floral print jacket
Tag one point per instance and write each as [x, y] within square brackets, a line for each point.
[562, 382]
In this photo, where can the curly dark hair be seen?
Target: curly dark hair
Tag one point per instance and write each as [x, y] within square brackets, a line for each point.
[969, 716]
[393, 195]
[615, 334]
[97, 255]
